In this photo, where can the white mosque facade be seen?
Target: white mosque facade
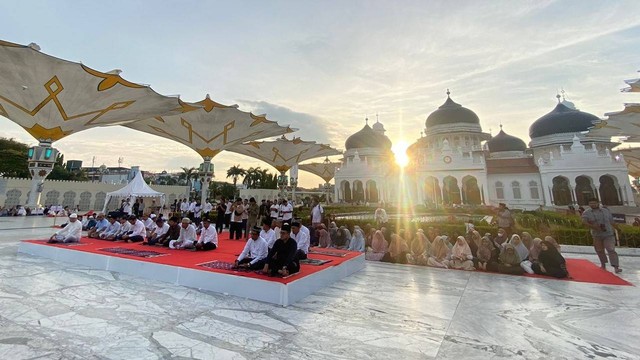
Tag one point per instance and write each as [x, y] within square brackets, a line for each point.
[456, 163]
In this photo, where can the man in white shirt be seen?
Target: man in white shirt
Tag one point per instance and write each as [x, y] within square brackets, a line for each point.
[149, 223]
[137, 232]
[127, 207]
[255, 252]
[187, 236]
[70, 233]
[208, 236]
[274, 210]
[206, 209]
[267, 233]
[302, 239]
[286, 209]
[112, 229]
[316, 214]
[184, 207]
[160, 229]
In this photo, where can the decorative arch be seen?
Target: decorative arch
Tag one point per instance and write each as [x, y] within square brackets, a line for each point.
[346, 191]
[561, 191]
[52, 197]
[85, 201]
[372, 191]
[100, 197]
[609, 190]
[13, 198]
[584, 189]
[451, 191]
[69, 199]
[471, 191]
[432, 191]
[358, 191]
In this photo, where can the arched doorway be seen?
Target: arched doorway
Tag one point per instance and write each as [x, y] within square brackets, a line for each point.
[358, 191]
[346, 191]
[584, 190]
[609, 194]
[372, 191]
[561, 191]
[451, 191]
[471, 191]
[432, 191]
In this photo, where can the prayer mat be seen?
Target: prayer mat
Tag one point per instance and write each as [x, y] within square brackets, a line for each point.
[71, 244]
[133, 252]
[217, 264]
[314, 262]
[328, 253]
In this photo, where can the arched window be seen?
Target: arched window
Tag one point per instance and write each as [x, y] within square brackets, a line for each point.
[533, 189]
[499, 190]
[515, 186]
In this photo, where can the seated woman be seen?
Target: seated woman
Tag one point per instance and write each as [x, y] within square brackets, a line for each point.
[398, 250]
[461, 257]
[527, 239]
[521, 249]
[509, 261]
[343, 238]
[550, 262]
[378, 247]
[324, 239]
[534, 252]
[553, 242]
[474, 241]
[486, 253]
[439, 256]
[357, 242]
[419, 250]
[333, 232]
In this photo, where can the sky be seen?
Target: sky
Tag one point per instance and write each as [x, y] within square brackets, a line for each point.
[323, 66]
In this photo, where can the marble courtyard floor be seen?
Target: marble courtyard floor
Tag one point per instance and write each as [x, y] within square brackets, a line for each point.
[52, 310]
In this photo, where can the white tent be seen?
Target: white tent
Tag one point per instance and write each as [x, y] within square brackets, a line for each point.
[135, 188]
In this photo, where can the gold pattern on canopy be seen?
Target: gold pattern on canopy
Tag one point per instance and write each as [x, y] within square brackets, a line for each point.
[622, 123]
[52, 98]
[326, 170]
[283, 153]
[211, 127]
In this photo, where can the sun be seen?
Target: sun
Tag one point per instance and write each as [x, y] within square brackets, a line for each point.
[400, 151]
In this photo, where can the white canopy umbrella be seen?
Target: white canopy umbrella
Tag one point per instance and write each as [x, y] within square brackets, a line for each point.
[135, 188]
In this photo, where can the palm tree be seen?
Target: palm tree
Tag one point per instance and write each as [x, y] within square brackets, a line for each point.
[188, 174]
[252, 178]
[235, 172]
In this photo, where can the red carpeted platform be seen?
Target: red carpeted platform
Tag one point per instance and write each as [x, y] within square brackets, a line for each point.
[227, 251]
[582, 270]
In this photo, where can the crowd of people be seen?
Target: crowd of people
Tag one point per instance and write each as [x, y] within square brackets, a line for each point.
[276, 241]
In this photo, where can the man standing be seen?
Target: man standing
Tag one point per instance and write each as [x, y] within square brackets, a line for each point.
[255, 252]
[70, 233]
[505, 220]
[208, 236]
[282, 256]
[316, 214]
[286, 209]
[274, 210]
[601, 223]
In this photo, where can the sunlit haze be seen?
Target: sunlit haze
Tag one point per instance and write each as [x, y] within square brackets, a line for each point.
[399, 149]
[323, 66]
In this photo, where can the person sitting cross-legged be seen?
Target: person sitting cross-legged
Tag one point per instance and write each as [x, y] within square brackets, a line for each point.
[125, 229]
[187, 236]
[70, 233]
[255, 252]
[208, 236]
[137, 232]
[99, 227]
[173, 233]
[281, 259]
[160, 229]
[302, 239]
[112, 229]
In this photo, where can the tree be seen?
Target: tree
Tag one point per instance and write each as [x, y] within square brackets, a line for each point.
[188, 174]
[234, 173]
[13, 158]
[217, 188]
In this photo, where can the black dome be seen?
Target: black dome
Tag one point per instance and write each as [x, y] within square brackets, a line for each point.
[562, 120]
[450, 112]
[505, 142]
[367, 138]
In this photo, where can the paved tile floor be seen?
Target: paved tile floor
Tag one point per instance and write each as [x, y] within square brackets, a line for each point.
[52, 310]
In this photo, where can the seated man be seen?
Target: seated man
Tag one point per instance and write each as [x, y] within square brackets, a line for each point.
[112, 229]
[70, 233]
[255, 252]
[282, 256]
[137, 232]
[149, 223]
[125, 228]
[208, 236]
[90, 224]
[157, 233]
[302, 239]
[267, 233]
[187, 236]
[100, 226]
[172, 234]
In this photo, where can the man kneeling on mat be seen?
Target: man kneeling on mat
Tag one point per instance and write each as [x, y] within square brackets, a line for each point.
[281, 259]
[255, 252]
[70, 233]
[187, 236]
[208, 236]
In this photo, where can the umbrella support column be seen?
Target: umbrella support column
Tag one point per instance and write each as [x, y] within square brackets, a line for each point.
[206, 173]
[42, 159]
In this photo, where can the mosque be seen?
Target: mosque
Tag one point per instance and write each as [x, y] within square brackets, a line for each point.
[456, 163]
